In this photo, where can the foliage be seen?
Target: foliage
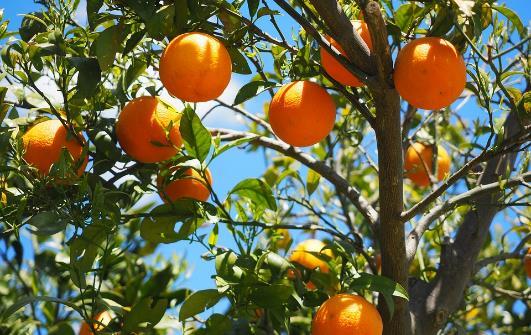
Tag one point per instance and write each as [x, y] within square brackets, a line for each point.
[70, 251]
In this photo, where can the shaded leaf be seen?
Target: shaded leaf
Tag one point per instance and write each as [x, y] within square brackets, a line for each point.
[198, 302]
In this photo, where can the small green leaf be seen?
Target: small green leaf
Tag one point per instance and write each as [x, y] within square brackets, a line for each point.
[271, 296]
[218, 324]
[197, 139]
[312, 181]
[107, 45]
[29, 299]
[89, 75]
[158, 283]
[257, 191]
[159, 227]
[93, 7]
[385, 286]
[250, 90]
[133, 41]
[233, 144]
[253, 7]
[239, 63]
[213, 238]
[514, 18]
[181, 15]
[198, 302]
[46, 224]
[147, 310]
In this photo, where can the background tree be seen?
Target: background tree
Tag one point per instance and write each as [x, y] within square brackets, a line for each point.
[445, 268]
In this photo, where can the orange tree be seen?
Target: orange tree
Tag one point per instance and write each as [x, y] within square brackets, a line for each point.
[441, 252]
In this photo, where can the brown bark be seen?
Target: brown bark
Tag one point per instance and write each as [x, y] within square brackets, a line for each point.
[434, 302]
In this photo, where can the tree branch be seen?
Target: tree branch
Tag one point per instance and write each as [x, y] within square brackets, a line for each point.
[461, 199]
[515, 254]
[324, 170]
[443, 295]
[357, 65]
[506, 146]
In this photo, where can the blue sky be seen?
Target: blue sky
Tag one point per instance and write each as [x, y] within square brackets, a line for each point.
[234, 165]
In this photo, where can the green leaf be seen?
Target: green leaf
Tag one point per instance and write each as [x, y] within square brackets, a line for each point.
[312, 181]
[32, 24]
[385, 286]
[218, 324]
[197, 139]
[271, 296]
[233, 144]
[159, 227]
[257, 191]
[181, 15]
[250, 90]
[89, 75]
[46, 224]
[405, 15]
[213, 238]
[158, 283]
[147, 310]
[253, 7]
[133, 41]
[84, 248]
[239, 63]
[107, 45]
[29, 299]
[198, 302]
[162, 24]
[93, 7]
[514, 18]
[136, 68]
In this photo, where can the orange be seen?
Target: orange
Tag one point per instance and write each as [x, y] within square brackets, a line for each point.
[527, 263]
[195, 67]
[100, 322]
[190, 186]
[430, 73]
[44, 142]
[302, 113]
[142, 130]
[419, 160]
[347, 314]
[334, 68]
[302, 255]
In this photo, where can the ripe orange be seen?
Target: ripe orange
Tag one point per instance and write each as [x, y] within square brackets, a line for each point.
[302, 113]
[44, 142]
[100, 322]
[334, 68]
[347, 314]
[195, 67]
[419, 160]
[302, 255]
[142, 130]
[190, 186]
[430, 73]
[527, 263]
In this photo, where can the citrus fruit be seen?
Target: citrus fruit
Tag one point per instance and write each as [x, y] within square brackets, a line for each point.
[190, 185]
[345, 314]
[304, 254]
[429, 73]
[195, 67]
[334, 68]
[44, 142]
[100, 322]
[142, 130]
[302, 113]
[419, 160]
